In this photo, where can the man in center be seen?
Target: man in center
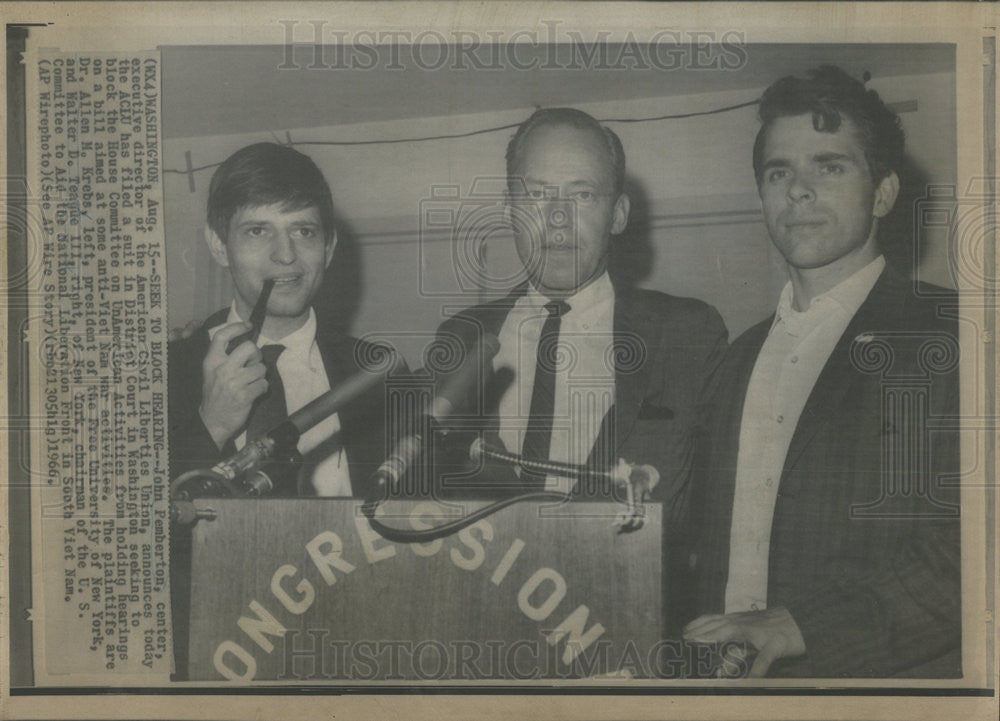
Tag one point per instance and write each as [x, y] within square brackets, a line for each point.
[592, 369]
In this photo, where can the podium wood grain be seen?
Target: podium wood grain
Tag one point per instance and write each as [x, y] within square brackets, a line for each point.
[401, 612]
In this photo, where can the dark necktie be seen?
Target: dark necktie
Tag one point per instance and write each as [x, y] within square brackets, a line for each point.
[269, 410]
[538, 436]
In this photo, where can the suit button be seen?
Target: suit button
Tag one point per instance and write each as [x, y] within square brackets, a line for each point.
[780, 419]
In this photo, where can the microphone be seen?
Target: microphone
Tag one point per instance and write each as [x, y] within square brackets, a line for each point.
[285, 435]
[446, 400]
[637, 480]
[183, 512]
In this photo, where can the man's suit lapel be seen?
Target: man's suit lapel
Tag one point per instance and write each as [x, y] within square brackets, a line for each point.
[338, 357]
[715, 500]
[340, 363]
[632, 333]
[745, 356]
[498, 311]
[490, 320]
[838, 376]
[201, 341]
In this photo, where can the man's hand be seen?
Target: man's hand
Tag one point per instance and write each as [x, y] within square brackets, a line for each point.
[772, 632]
[231, 383]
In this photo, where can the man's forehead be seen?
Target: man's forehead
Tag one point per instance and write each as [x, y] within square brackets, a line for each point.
[797, 134]
[550, 151]
[562, 136]
[280, 211]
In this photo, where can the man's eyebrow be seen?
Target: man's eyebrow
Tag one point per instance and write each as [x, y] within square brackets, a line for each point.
[830, 157]
[776, 163]
[548, 184]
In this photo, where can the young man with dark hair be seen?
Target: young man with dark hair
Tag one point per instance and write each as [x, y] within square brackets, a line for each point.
[829, 520]
[270, 217]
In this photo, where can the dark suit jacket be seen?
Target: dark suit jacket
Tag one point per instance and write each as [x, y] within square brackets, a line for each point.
[362, 433]
[869, 570]
[665, 349]
[362, 422]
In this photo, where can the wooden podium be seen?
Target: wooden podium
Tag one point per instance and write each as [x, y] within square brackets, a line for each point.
[303, 590]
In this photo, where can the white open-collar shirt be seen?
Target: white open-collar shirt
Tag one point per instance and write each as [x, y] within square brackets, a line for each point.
[790, 361]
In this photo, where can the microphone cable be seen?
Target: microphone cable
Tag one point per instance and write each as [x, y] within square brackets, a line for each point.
[480, 450]
[409, 535]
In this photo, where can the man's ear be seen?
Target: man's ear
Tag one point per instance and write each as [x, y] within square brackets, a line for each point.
[216, 247]
[885, 195]
[331, 245]
[620, 214]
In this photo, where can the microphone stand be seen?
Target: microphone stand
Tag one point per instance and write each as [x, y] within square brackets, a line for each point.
[230, 479]
[636, 480]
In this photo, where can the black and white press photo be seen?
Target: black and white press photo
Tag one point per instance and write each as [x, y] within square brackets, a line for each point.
[633, 350]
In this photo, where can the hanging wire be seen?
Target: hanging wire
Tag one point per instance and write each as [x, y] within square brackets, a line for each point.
[472, 133]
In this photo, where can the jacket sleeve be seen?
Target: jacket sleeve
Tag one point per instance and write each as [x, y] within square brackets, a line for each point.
[880, 618]
[191, 445]
[893, 612]
[703, 346]
[715, 343]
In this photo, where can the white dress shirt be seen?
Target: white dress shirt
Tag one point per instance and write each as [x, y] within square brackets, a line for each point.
[585, 375]
[304, 379]
[790, 361]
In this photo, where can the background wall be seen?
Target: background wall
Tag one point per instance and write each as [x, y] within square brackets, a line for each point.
[696, 228]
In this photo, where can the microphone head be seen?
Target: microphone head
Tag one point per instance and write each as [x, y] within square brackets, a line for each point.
[645, 475]
[257, 484]
[477, 449]
[183, 512]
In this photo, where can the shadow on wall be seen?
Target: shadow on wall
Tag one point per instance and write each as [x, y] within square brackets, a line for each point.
[899, 238]
[631, 259]
[337, 300]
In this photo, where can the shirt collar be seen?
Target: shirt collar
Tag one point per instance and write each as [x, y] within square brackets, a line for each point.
[298, 344]
[847, 295]
[590, 296]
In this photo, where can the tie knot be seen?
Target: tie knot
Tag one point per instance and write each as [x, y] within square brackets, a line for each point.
[557, 308]
[271, 353]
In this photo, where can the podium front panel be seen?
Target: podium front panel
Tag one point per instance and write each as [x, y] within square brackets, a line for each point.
[304, 590]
